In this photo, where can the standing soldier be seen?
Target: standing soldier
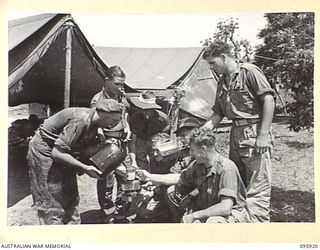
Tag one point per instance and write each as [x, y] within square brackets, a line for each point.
[113, 89]
[245, 97]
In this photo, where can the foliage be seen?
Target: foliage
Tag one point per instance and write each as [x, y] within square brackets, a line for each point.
[287, 57]
[226, 31]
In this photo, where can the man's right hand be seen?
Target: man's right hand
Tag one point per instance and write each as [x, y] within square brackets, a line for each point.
[143, 174]
[93, 172]
[101, 136]
[213, 121]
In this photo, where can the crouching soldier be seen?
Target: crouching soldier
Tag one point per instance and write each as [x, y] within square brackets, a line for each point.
[218, 194]
[52, 163]
[176, 192]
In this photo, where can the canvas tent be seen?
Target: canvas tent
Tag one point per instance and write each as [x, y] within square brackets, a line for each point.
[46, 53]
[161, 69]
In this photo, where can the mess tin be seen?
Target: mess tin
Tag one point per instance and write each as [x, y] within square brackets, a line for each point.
[108, 158]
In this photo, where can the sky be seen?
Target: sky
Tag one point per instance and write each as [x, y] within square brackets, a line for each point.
[148, 31]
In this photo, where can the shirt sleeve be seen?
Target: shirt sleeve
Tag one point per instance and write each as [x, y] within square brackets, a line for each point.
[187, 177]
[228, 185]
[94, 100]
[162, 120]
[70, 136]
[217, 107]
[258, 82]
[137, 122]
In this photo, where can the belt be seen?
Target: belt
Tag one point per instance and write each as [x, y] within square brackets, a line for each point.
[120, 134]
[244, 122]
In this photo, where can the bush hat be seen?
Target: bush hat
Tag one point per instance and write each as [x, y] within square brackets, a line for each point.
[188, 122]
[146, 100]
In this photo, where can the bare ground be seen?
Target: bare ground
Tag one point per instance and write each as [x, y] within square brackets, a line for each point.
[292, 197]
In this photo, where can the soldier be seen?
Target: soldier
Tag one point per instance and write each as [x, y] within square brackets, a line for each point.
[245, 97]
[52, 162]
[218, 192]
[177, 192]
[146, 120]
[113, 88]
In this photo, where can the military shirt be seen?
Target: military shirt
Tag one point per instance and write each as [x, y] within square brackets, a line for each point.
[240, 98]
[221, 179]
[145, 123]
[70, 129]
[103, 95]
[183, 160]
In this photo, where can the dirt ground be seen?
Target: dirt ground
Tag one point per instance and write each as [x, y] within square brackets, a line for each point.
[292, 197]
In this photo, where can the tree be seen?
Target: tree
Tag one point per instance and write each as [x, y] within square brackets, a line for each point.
[226, 31]
[287, 57]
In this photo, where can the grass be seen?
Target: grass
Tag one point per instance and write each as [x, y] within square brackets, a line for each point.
[292, 195]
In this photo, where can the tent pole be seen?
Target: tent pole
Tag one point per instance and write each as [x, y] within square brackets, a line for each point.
[67, 81]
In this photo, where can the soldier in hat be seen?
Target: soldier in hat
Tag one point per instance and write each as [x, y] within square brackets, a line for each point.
[52, 162]
[183, 133]
[184, 159]
[146, 120]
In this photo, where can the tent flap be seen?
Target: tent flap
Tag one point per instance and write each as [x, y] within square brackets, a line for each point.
[37, 62]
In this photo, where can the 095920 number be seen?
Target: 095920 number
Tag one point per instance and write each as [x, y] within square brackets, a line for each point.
[308, 246]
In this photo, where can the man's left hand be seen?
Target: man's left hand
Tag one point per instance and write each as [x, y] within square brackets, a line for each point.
[262, 143]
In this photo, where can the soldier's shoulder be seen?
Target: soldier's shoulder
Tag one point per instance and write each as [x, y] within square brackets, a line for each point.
[248, 66]
[226, 165]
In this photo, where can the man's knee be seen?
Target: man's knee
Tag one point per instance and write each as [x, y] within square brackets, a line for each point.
[167, 195]
[170, 189]
[216, 219]
[50, 218]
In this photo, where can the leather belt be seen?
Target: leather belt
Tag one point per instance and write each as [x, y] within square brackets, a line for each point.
[119, 134]
[245, 122]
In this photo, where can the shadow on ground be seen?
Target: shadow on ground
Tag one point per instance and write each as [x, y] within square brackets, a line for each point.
[93, 217]
[286, 206]
[18, 175]
[292, 206]
[299, 145]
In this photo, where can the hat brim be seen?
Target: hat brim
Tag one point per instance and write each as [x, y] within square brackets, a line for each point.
[142, 105]
[190, 126]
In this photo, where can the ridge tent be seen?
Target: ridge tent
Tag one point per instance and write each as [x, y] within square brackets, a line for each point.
[52, 63]
[162, 69]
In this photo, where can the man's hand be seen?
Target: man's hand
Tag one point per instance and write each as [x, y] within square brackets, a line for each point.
[213, 121]
[93, 172]
[143, 174]
[188, 218]
[101, 137]
[133, 161]
[128, 137]
[263, 143]
[127, 129]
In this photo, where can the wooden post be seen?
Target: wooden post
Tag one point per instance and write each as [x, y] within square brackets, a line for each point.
[178, 94]
[67, 79]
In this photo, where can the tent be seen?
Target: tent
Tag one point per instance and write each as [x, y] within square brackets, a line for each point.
[52, 63]
[162, 69]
